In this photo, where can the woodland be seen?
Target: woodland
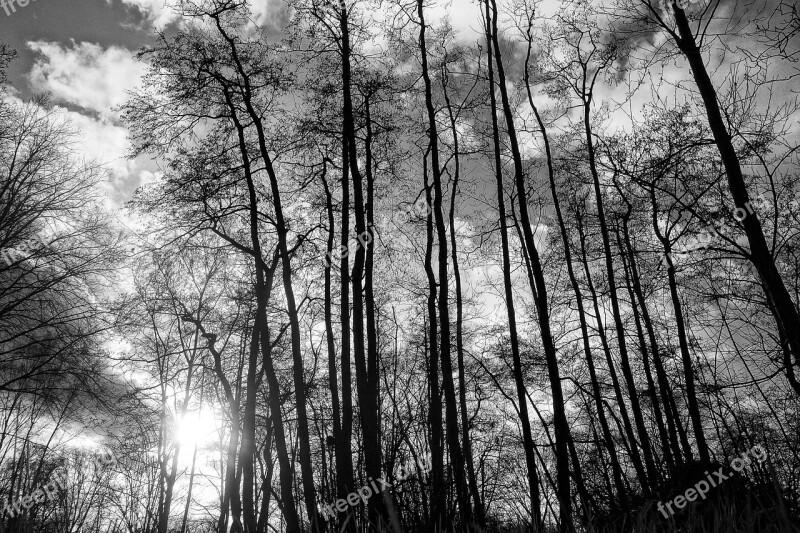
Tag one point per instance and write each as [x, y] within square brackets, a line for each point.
[539, 272]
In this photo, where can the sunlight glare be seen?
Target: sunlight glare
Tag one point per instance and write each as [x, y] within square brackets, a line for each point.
[195, 428]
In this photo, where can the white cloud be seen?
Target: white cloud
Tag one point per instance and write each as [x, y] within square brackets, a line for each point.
[261, 11]
[85, 74]
[158, 12]
[100, 140]
[106, 143]
[96, 79]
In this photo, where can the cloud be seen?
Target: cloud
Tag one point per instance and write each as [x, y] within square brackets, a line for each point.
[106, 143]
[158, 12]
[85, 74]
[261, 11]
[101, 141]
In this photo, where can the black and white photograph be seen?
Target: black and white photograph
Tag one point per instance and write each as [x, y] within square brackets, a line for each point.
[399, 266]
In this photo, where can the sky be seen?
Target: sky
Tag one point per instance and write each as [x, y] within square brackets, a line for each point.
[81, 53]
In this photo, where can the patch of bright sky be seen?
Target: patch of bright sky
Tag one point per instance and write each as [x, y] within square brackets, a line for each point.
[197, 427]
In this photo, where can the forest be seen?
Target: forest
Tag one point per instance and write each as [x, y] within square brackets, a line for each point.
[413, 266]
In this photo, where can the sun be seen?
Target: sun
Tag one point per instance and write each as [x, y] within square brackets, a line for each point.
[195, 428]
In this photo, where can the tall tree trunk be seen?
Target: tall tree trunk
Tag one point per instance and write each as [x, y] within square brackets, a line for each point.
[522, 400]
[264, 277]
[677, 433]
[627, 373]
[373, 360]
[638, 302]
[686, 358]
[451, 410]
[629, 268]
[344, 440]
[307, 475]
[247, 447]
[266, 482]
[309, 492]
[616, 469]
[540, 296]
[438, 497]
[785, 310]
[632, 275]
[636, 458]
[367, 398]
[343, 458]
[480, 515]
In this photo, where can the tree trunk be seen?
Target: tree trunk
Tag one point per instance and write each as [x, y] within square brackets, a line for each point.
[438, 496]
[686, 358]
[247, 447]
[784, 308]
[522, 400]
[616, 470]
[263, 289]
[341, 446]
[309, 492]
[451, 410]
[344, 440]
[367, 398]
[373, 359]
[480, 515]
[612, 290]
[623, 408]
[540, 296]
[630, 270]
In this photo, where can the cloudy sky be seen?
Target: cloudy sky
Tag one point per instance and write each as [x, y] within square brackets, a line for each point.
[81, 53]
